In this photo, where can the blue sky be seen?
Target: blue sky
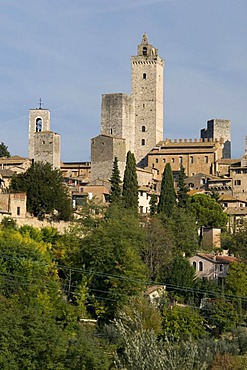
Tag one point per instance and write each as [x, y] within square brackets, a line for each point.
[70, 52]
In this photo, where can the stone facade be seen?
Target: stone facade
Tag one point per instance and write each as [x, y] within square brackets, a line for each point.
[103, 151]
[219, 129]
[14, 204]
[135, 121]
[80, 170]
[195, 156]
[15, 163]
[118, 118]
[147, 91]
[47, 148]
[43, 145]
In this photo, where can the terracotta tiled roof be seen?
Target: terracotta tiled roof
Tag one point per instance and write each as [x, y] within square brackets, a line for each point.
[153, 288]
[229, 198]
[218, 258]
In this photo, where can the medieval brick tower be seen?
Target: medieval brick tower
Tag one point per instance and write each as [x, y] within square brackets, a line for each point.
[132, 122]
[43, 145]
[147, 92]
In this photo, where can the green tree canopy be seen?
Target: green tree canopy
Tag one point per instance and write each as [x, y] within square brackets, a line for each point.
[182, 322]
[185, 231]
[46, 192]
[236, 280]
[130, 184]
[208, 212]
[183, 197]
[178, 276]
[159, 248]
[167, 199]
[115, 195]
[153, 204]
[4, 150]
[109, 259]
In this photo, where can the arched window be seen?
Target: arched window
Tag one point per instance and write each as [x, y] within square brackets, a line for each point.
[143, 142]
[200, 266]
[143, 128]
[39, 124]
[194, 265]
[144, 76]
[144, 51]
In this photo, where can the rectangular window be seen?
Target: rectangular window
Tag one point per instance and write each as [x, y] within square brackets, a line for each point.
[191, 159]
[156, 160]
[141, 209]
[206, 159]
[18, 211]
[237, 182]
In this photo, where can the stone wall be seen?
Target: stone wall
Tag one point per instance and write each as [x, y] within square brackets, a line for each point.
[118, 118]
[196, 156]
[47, 148]
[36, 115]
[14, 204]
[219, 129]
[103, 151]
[147, 91]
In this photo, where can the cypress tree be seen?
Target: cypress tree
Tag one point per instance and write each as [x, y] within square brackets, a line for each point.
[153, 205]
[183, 198]
[130, 184]
[115, 194]
[167, 199]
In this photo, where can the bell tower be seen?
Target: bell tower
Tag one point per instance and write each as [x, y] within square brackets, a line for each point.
[43, 144]
[147, 92]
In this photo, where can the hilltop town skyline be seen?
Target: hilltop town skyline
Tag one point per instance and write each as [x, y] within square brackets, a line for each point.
[71, 54]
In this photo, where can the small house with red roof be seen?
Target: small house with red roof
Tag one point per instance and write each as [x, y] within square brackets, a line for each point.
[211, 266]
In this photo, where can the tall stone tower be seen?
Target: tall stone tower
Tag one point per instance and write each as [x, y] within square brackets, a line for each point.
[147, 92]
[219, 129]
[132, 122]
[43, 144]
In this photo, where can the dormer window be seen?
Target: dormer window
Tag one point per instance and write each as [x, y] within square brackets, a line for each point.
[144, 51]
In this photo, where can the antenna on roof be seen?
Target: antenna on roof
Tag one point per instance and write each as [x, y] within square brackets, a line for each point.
[40, 103]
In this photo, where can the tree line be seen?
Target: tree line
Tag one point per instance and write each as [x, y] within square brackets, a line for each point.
[52, 284]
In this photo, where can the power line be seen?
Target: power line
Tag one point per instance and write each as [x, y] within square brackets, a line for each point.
[143, 282]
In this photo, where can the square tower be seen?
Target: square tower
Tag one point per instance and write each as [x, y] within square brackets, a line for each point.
[118, 118]
[147, 92]
[219, 129]
[39, 121]
[43, 144]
